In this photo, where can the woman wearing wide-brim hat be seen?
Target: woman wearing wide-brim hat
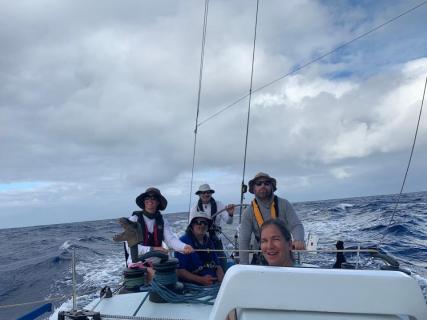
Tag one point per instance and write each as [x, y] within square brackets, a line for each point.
[152, 228]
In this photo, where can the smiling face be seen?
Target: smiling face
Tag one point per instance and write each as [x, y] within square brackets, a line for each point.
[151, 203]
[275, 248]
[205, 196]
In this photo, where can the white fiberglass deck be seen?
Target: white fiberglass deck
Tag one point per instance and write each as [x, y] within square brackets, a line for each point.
[255, 292]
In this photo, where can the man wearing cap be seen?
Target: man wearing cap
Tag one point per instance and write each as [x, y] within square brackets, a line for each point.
[220, 215]
[152, 228]
[202, 266]
[266, 206]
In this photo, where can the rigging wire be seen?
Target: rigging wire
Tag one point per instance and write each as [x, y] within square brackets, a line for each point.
[243, 187]
[303, 66]
[202, 57]
[407, 167]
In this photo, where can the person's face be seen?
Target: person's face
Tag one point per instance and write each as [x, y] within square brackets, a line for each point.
[151, 203]
[205, 196]
[263, 189]
[274, 247]
[200, 227]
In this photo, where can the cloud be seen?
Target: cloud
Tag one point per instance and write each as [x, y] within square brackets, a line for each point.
[98, 101]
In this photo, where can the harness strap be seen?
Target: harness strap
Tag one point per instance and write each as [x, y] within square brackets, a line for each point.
[258, 214]
[134, 253]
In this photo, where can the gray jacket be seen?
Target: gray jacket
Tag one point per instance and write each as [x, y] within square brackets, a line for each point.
[249, 225]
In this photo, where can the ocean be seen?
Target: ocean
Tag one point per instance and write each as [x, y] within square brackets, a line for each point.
[36, 261]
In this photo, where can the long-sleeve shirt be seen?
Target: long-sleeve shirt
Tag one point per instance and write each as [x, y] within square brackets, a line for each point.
[220, 219]
[249, 224]
[170, 237]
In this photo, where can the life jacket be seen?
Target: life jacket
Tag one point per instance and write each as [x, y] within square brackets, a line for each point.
[274, 211]
[258, 258]
[214, 208]
[155, 238]
[214, 228]
[151, 239]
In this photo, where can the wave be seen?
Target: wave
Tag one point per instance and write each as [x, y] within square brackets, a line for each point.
[92, 239]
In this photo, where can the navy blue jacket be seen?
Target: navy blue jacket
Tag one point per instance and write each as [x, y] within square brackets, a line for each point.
[200, 263]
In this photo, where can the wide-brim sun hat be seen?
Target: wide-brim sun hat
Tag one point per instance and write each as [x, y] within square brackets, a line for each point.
[203, 188]
[262, 176]
[200, 215]
[152, 192]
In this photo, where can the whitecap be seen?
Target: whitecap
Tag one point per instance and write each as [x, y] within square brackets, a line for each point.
[344, 206]
[66, 245]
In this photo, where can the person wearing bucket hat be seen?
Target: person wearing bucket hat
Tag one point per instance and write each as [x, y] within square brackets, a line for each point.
[202, 266]
[150, 228]
[266, 205]
[220, 215]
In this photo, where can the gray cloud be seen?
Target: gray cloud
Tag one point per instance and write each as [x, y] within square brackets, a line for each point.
[98, 101]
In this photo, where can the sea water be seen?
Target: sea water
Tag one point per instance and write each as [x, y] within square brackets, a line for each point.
[36, 261]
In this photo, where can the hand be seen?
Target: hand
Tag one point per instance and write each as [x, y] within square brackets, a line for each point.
[230, 209]
[298, 245]
[219, 273]
[188, 249]
[207, 280]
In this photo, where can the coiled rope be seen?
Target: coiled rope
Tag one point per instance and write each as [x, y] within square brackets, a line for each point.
[192, 293]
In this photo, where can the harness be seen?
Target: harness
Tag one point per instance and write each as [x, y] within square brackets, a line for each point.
[214, 228]
[214, 208]
[204, 260]
[274, 211]
[151, 239]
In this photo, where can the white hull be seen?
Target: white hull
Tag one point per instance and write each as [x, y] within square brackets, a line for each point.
[257, 292]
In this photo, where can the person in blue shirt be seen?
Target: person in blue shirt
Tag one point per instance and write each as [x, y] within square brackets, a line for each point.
[199, 267]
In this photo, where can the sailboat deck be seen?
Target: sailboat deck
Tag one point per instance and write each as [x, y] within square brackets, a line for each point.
[257, 292]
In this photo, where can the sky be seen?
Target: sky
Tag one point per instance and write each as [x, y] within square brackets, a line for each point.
[98, 102]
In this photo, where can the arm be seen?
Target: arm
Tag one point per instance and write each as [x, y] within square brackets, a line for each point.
[172, 240]
[191, 277]
[219, 273]
[245, 235]
[295, 224]
[225, 216]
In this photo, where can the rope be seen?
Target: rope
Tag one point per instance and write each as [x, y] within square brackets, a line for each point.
[303, 66]
[249, 113]
[32, 302]
[114, 316]
[407, 167]
[202, 57]
[302, 251]
[192, 293]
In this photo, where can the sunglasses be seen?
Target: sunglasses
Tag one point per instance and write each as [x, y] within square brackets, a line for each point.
[206, 192]
[263, 182]
[201, 222]
[151, 198]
